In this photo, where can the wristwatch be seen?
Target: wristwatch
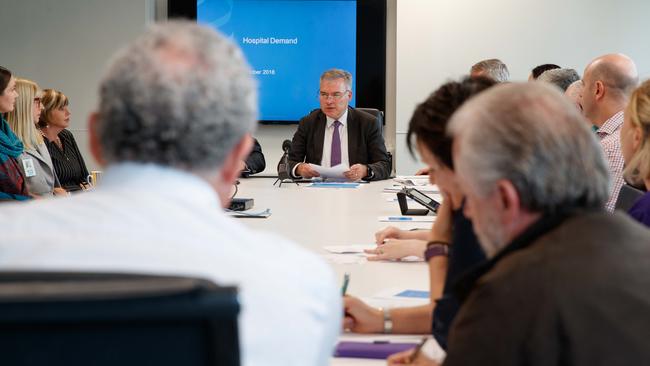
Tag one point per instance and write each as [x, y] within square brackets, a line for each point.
[388, 321]
[370, 174]
[436, 248]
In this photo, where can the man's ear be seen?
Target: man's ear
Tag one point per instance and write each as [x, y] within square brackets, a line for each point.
[95, 146]
[509, 201]
[599, 89]
[231, 168]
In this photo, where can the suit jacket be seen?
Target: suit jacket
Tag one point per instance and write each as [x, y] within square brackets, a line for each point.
[45, 179]
[255, 161]
[578, 294]
[365, 142]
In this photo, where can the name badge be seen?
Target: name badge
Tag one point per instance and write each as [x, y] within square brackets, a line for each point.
[28, 164]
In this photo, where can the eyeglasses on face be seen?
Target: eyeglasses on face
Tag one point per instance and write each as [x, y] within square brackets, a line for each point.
[335, 96]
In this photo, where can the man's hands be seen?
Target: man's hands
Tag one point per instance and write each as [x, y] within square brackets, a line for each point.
[306, 171]
[356, 172]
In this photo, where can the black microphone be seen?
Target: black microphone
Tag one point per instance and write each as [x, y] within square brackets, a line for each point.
[286, 146]
[283, 165]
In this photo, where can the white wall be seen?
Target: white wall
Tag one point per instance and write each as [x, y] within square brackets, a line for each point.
[65, 44]
[440, 40]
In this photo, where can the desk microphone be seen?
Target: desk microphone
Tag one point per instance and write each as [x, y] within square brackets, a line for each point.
[286, 146]
[283, 165]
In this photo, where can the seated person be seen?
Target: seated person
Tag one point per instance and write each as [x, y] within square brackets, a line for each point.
[337, 134]
[451, 234]
[159, 207]
[540, 69]
[35, 161]
[635, 146]
[66, 157]
[255, 162]
[565, 283]
[12, 180]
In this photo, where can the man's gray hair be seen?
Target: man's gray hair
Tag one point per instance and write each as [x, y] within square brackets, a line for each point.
[180, 95]
[530, 135]
[333, 74]
[492, 68]
[561, 78]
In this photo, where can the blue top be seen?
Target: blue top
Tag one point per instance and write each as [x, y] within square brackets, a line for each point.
[640, 211]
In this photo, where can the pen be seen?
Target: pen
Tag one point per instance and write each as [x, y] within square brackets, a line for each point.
[346, 282]
[416, 353]
[399, 218]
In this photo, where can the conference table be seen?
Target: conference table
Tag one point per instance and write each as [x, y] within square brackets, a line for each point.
[318, 217]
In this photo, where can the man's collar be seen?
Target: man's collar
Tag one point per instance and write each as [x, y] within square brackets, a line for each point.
[343, 119]
[612, 124]
[540, 227]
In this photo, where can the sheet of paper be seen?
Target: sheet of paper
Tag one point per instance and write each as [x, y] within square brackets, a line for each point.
[398, 218]
[345, 258]
[263, 214]
[334, 185]
[429, 188]
[412, 180]
[349, 249]
[333, 172]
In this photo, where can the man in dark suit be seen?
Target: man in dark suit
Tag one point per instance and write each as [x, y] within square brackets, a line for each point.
[338, 134]
[566, 283]
[255, 161]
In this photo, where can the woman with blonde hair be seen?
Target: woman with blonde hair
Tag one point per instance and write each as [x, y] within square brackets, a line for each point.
[35, 161]
[12, 181]
[68, 162]
[635, 145]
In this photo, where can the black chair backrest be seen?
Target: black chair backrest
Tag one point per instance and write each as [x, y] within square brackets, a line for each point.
[379, 115]
[116, 319]
[627, 196]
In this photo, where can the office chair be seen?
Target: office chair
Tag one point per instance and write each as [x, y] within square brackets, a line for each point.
[379, 116]
[97, 319]
[627, 196]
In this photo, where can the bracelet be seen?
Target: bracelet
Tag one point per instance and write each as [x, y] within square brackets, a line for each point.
[437, 242]
[388, 321]
[436, 248]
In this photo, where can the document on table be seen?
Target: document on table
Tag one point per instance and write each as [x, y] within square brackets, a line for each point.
[334, 185]
[250, 214]
[407, 218]
[333, 172]
[429, 188]
[412, 180]
[349, 249]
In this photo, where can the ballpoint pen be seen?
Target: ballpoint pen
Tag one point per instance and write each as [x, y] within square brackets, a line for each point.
[346, 282]
[417, 350]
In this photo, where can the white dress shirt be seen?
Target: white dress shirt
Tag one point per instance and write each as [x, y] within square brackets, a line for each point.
[326, 161]
[150, 219]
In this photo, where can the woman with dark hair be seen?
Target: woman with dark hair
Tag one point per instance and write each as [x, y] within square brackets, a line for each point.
[452, 247]
[12, 180]
[68, 162]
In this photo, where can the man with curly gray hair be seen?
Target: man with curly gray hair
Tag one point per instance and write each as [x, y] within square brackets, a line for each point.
[176, 111]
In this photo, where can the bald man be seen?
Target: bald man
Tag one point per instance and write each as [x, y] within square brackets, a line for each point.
[607, 83]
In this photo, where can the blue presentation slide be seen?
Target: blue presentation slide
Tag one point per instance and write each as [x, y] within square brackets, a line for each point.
[288, 45]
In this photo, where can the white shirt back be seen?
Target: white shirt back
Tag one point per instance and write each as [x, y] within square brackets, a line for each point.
[149, 219]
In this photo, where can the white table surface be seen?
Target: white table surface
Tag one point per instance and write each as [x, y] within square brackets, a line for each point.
[316, 217]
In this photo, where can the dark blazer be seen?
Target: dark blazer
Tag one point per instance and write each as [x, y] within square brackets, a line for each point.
[365, 142]
[579, 294]
[255, 161]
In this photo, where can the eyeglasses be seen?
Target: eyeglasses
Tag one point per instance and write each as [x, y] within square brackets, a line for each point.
[335, 96]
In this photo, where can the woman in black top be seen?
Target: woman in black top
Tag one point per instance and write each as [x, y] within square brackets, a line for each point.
[452, 234]
[68, 162]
